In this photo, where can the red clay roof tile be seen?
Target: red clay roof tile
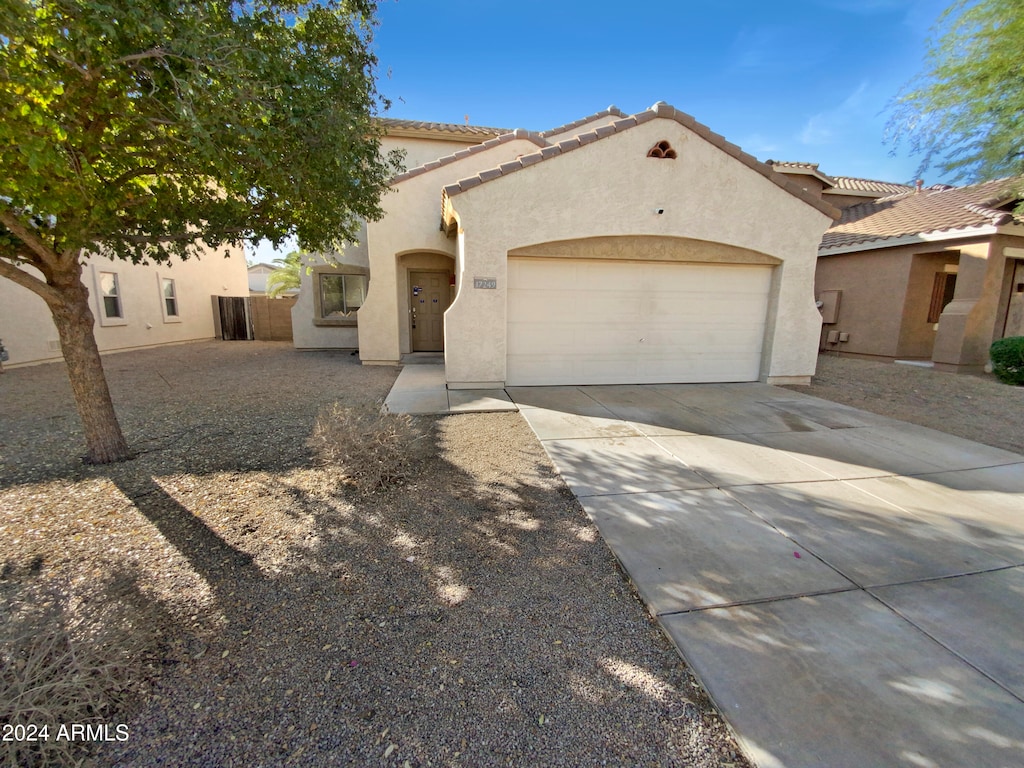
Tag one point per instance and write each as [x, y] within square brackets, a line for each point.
[934, 210]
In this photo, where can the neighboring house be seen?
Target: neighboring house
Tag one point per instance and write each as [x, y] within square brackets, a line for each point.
[615, 249]
[933, 274]
[258, 274]
[134, 305]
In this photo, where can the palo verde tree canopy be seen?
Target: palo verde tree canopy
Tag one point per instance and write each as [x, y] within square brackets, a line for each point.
[965, 112]
[142, 128]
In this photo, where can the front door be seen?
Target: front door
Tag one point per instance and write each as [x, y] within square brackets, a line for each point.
[429, 294]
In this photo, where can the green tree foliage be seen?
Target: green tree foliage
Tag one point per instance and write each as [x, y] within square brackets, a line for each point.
[288, 275]
[965, 113]
[142, 130]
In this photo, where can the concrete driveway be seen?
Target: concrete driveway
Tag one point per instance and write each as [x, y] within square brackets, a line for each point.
[849, 588]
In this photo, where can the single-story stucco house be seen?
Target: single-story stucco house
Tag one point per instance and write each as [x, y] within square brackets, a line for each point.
[930, 274]
[616, 249]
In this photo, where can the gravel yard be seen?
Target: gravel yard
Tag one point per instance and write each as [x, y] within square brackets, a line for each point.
[264, 614]
[978, 408]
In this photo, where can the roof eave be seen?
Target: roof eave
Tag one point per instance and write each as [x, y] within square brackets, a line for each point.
[924, 237]
[461, 137]
[845, 192]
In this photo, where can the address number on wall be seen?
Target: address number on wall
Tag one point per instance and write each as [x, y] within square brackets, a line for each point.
[485, 282]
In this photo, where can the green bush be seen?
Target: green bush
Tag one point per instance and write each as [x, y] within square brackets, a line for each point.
[1008, 359]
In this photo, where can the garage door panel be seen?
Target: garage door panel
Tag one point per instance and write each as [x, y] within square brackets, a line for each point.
[634, 322]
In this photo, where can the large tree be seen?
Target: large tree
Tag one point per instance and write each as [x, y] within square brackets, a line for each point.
[147, 130]
[965, 113]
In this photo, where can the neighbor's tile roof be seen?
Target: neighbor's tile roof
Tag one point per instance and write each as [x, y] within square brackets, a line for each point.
[663, 110]
[851, 184]
[453, 128]
[612, 111]
[934, 210]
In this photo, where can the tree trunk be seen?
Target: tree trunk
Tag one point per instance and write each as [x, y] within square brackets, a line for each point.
[74, 321]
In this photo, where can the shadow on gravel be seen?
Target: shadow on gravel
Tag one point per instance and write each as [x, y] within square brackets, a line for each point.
[469, 616]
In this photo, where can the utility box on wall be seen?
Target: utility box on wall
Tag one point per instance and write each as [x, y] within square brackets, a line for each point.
[829, 306]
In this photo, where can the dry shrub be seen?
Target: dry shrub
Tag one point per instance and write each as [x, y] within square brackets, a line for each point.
[57, 670]
[372, 450]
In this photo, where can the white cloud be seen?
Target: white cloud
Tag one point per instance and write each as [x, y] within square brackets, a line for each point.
[828, 126]
[758, 145]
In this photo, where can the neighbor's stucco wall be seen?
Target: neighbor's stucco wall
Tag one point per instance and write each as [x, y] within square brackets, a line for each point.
[610, 188]
[30, 336]
[969, 323]
[874, 285]
[411, 225]
[917, 335]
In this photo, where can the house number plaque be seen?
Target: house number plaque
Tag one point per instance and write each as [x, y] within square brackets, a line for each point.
[485, 282]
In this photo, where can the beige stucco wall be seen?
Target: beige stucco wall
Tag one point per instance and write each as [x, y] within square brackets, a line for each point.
[419, 151]
[30, 336]
[610, 188]
[306, 334]
[967, 326]
[874, 285]
[412, 226]
[917, 335]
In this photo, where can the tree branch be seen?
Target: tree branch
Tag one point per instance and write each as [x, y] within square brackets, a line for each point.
[13, 273]
[31, 240]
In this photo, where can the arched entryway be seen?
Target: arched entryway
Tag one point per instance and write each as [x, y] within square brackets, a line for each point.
[426, 288]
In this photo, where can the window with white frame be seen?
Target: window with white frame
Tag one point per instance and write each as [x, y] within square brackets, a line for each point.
[169, 299]
[339, 293]
[110, 296]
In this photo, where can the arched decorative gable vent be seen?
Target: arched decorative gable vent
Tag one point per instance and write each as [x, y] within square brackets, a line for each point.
[662, 150]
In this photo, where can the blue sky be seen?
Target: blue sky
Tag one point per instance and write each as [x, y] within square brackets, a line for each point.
[805, 80]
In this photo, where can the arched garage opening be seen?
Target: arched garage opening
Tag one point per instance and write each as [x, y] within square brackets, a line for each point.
[636, 310]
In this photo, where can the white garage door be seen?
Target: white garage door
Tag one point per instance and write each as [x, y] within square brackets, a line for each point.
[602, 322]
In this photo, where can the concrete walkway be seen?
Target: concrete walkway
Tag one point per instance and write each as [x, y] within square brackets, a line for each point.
[420, 390]
[849, 588]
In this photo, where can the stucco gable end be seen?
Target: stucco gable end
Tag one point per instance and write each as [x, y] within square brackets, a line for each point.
[663, 111]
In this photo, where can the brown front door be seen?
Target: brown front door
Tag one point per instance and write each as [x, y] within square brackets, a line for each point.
[428, 299]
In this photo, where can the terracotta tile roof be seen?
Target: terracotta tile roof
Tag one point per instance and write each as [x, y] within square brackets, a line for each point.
[391, 123]
[850, 184]
[518, 133]
[610, 112]
[939, 209]
[661, 109]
